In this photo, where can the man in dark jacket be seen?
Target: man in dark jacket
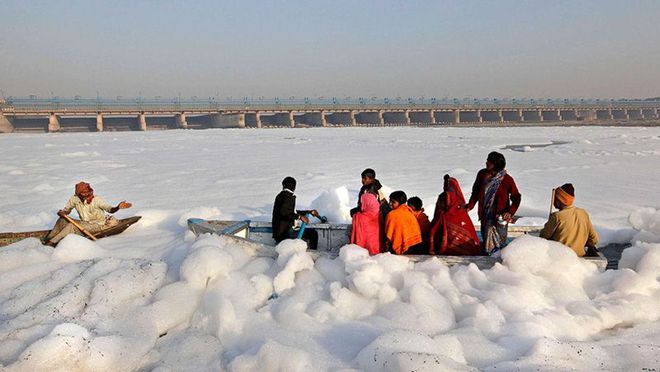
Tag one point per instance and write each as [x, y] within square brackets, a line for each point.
[285, 215]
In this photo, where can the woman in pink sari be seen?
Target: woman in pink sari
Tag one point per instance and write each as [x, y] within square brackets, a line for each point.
[365, 230]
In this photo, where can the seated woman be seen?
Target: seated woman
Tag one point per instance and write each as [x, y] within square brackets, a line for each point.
[365, 230]
[402, 232]
[452, 231]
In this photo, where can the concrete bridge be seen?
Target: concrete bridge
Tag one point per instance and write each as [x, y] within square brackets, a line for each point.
[31, 115]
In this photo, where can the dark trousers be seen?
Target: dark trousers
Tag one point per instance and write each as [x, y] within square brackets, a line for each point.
[309, 235]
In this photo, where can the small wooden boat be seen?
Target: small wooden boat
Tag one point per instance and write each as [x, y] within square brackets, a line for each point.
[13, 237]
[256, 238]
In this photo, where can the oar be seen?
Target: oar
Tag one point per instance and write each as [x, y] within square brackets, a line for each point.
[74, 223]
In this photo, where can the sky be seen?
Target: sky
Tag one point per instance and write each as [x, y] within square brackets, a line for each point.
[339, 48]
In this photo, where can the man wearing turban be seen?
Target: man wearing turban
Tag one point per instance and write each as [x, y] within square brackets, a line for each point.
[91, 210]
[570, 226]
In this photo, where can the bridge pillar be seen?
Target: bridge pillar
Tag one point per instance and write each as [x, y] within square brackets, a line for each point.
[501, 115]
[433, 117]
[292, 122]
[609, 114]
[381, 118]
[142, 122]
[577, 113]
[180, 120]
[353, 119]
[656, 113]
[407, 114]
[479, 117]
[457, 116]
[99, 122]
[559, 118]
[53, 123]
[324, 122]
[257, 116]
[5, 125]
[521, 118]
[540, 115]
[627, 114]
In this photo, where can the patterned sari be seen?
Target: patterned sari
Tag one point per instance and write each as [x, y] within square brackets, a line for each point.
[493, 228]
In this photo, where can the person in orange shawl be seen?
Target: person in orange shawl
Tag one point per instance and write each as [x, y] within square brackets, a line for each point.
[452, 231]
[402, 232]
[365, 230]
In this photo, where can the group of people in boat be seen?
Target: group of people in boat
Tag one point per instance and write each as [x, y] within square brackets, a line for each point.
[398, 225]
[401, 226]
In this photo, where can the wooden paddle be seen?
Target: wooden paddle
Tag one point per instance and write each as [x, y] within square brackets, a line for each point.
[74, 223]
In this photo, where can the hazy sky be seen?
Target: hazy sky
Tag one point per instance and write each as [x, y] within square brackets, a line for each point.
[462, 48]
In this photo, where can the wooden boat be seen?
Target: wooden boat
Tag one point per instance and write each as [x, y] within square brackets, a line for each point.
[13, 237]
[256, 238]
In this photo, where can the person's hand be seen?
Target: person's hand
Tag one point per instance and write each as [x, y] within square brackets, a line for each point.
[314, 213]
[124, 205]
[61, 213]
[467, 207]
[304, 219]
[507, 217]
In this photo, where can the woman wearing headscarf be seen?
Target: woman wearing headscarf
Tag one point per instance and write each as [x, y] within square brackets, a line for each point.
[452, 231]
[370, 185]
[365, 229]
[498, 198]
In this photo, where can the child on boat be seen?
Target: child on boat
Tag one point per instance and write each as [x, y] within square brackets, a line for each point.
[417, 207]
[402, 232]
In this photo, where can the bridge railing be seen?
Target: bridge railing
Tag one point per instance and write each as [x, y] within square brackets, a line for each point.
[292, 103]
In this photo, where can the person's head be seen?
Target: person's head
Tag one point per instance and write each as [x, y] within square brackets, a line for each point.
[289, 183]
[415, 203]
[397, 198]
[495, 161]
[368, 176]
[564, 196]
[84, 190]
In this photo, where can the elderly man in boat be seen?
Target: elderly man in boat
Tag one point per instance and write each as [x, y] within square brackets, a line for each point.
[91, 210]
[570, 226]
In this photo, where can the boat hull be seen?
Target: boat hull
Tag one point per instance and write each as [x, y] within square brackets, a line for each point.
[258, 236]
[13, 237]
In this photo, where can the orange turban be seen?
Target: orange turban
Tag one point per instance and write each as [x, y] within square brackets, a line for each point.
[82, 187]
[564, 197]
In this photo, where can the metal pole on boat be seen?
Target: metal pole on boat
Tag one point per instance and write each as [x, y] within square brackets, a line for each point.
[552, 202]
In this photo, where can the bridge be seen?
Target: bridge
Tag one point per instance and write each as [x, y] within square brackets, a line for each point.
[75, 115]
